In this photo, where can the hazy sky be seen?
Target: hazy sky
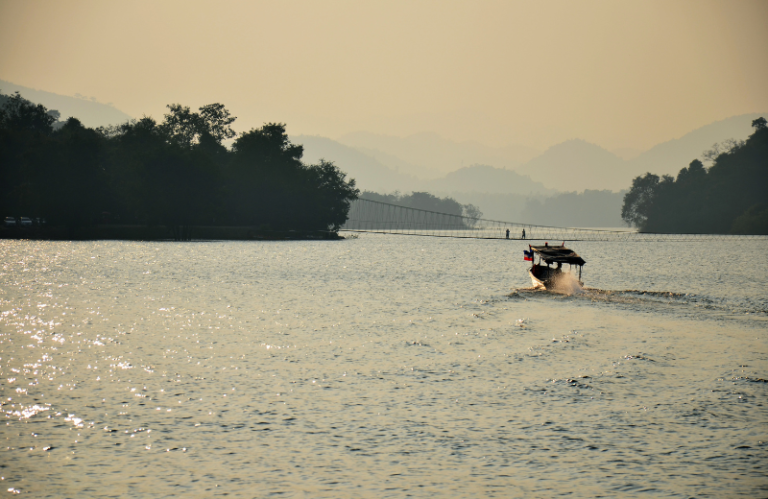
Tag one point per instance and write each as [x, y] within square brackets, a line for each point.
[616, 73]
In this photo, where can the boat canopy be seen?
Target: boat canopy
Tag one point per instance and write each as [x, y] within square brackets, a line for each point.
[558, 254]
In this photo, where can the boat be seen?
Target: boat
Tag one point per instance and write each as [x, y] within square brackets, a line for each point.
[546, 276]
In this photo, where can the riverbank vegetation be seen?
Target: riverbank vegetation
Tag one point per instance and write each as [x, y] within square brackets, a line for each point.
[731, 196]
[174, 173]
[415, 211]
[426, 201]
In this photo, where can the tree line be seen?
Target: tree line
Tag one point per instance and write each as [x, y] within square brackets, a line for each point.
[731, 196]
[176, 173]
[429, 202]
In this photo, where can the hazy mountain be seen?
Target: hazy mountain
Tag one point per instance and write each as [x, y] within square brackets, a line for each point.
[500, 194]
[671, 156]
[576, 165]
[431, 151]
[386, 163]
[394, 163]
[369, 173]
[502, 207]
[90, 112]
[487, 179]
[373, 175]
[627, 153]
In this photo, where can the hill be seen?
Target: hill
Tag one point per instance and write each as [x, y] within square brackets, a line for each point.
[487, 179]
[367, 171]
[577, 165]
[431, 151]
[374, 175]
[89, 111]
[394, 163]
[730, 196]
[669, 157]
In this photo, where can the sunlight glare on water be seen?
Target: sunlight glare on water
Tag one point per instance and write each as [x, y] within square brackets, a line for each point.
[384, 366]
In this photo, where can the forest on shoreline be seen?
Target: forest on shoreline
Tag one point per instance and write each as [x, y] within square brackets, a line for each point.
[170, 176]
[729, 197]
[174, 173]
[427, 201]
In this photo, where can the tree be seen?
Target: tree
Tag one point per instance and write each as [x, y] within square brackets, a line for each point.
[165, 181]
[187, 128]
[70, 177]
[215, 121]
[759, 123]
[638, 202]
[268, 185]
[19, 114]
[25, 130]
[330, 195]
[694, 172]
[269, 146]
[181, 125]
[472, 213]
[730, 196]
[176, 173]
[263, 177]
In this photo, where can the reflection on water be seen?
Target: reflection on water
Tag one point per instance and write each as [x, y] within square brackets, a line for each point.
[380, 367]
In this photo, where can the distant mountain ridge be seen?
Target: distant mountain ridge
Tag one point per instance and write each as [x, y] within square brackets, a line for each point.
[372, 175]
[434, 152]
[577, 165]
[671, 156]
[573, 165]
[367, 171]
[488, 179]
[90, 112]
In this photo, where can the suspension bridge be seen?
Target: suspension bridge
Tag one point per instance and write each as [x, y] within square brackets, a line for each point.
[366, 215]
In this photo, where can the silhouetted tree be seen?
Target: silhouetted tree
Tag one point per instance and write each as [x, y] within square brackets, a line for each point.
[268, 185]
[263, 177]
[72, 182]
[728, 197]
[20, 115]
[175, 173]
[216, 121]
[187, 128]
[638, 202]
[327, 197]
[24, 126]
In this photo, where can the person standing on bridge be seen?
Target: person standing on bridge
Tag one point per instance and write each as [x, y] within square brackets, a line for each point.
[523, 234]
[507, 233]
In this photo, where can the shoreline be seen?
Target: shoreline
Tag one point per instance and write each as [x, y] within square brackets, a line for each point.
[104, 232]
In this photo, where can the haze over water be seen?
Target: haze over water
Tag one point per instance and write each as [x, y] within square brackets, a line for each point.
[382, 366]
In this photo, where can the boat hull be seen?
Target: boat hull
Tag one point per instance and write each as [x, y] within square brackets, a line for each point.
[536, 282]
[547, 278]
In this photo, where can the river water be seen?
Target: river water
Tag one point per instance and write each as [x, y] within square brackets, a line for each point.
[382, 366]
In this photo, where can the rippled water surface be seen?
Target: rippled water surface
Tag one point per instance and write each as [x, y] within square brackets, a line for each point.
[384, 366]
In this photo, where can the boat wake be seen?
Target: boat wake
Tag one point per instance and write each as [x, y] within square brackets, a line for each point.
[637, 298]
[568, 285]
